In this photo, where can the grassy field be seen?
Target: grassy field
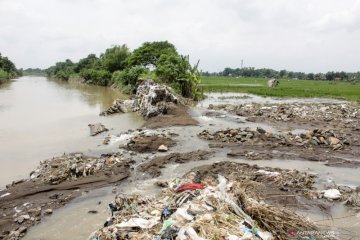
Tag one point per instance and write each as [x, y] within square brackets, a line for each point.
[286, 88]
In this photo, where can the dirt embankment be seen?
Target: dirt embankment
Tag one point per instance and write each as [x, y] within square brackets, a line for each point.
[154, 166]
[176, 115]
[149, 143]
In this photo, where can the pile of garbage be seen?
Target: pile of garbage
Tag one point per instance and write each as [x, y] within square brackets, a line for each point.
[190, 208]
[344, 113]
[316, 137]
[151, 99]
[72, 166]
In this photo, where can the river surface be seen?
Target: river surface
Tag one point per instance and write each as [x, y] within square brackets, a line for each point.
[41, 118]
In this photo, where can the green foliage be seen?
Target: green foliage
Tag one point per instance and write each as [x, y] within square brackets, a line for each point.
[118, 66]
[98, 77]
[170, 68]
[115, 58]
[61, 70]
[177, 70]
[90, 62]
[3, 75]
[33, 72]
[7, 69]
[126, 79]
[150, 52]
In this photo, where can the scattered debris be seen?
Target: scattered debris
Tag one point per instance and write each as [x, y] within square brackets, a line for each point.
[97, 128]
[316, 137]
[73, 166]
[163, 148]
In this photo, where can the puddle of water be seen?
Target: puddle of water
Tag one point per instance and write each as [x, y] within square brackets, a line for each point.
[245, 98]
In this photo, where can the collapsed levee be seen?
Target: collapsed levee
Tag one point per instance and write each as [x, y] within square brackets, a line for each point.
[157, 103]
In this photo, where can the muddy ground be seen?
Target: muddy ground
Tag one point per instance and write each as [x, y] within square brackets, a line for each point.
[177, 115]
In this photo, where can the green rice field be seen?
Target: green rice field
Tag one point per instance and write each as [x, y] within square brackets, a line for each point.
[286, 88]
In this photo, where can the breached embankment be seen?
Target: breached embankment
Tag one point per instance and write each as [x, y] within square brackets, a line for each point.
[282, 191]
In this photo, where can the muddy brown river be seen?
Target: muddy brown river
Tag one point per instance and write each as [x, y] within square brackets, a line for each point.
[40, 119]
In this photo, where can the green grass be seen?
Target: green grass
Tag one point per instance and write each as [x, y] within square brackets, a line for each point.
[286, 88]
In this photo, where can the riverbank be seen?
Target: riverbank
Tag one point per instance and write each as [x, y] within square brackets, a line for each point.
[216, 139]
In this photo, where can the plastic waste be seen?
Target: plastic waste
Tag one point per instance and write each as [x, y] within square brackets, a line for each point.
[267, 173]
[332, 194]
[190, 186]
[232, 237]
[222, 186]
[167, 223]
[138, 222]
[165, 214]
[182, 214]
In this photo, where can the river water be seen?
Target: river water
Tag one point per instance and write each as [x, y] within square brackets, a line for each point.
[40, 119]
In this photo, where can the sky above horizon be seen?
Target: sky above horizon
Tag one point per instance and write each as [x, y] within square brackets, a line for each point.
[301, 35]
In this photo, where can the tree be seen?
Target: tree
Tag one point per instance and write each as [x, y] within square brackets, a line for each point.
[115, 58]
[8, 68]
[283, 74]
[150, 52]
[90, 62]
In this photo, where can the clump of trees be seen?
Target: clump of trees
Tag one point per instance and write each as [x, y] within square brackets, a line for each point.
[7, 69]
[119, 66]
[270, 73]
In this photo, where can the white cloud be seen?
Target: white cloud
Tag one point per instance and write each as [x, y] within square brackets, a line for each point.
[302, 35]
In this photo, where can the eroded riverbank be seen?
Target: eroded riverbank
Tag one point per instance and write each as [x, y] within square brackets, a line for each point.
[151, 166]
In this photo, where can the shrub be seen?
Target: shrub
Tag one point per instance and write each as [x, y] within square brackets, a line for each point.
[3, 75]
[98, 77]
[126, 79]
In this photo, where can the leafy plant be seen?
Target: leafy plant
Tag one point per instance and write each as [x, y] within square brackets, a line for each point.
[97, 77]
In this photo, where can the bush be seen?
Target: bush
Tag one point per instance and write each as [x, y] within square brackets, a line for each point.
[98, 77]
[62, 75]
[3, 75]
[128, 77]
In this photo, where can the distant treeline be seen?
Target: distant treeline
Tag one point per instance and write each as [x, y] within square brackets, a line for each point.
[121, 67]
[7, 69]
[270, 73]
[33, 72]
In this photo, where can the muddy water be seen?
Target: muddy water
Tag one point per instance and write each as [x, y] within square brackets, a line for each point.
[41, 118]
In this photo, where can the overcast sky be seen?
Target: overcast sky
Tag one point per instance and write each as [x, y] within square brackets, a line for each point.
[299, 35]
